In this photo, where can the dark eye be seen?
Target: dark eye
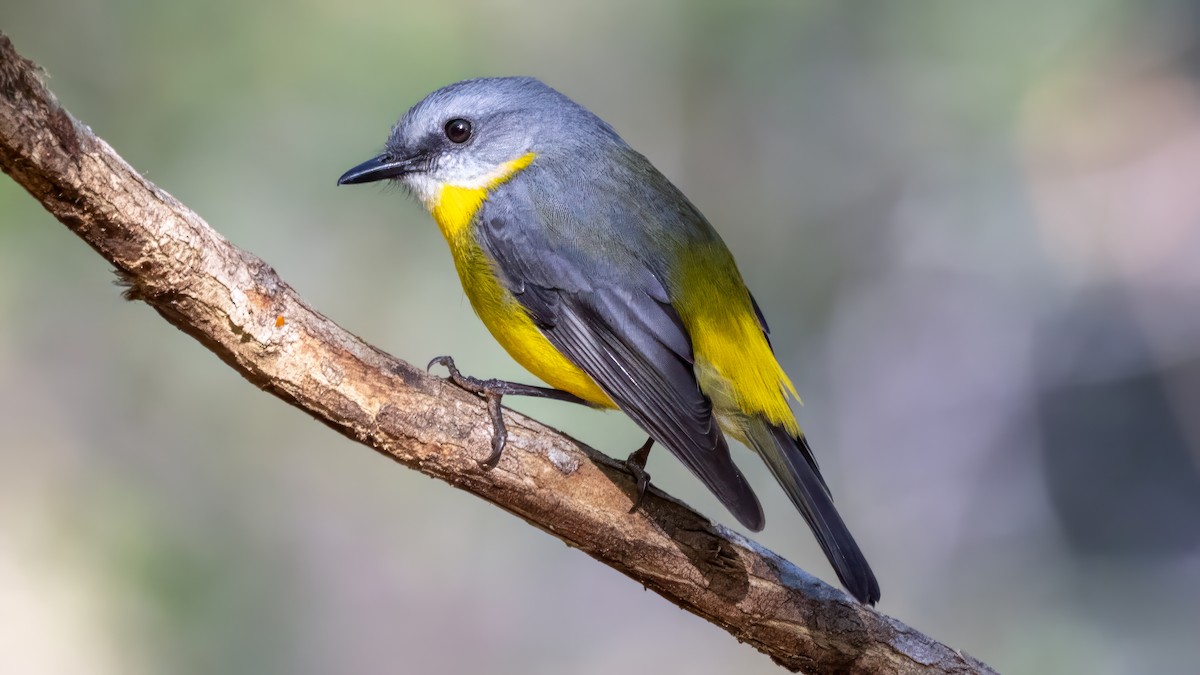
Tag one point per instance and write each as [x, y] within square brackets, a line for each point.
[458, 130]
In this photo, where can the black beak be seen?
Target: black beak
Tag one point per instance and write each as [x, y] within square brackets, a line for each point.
[381, 167]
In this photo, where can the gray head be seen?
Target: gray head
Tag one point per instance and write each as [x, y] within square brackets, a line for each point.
[469, 133]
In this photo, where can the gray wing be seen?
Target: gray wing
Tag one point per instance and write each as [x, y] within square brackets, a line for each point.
[612, 317]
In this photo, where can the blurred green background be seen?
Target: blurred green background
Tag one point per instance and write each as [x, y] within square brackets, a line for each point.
[974, 227]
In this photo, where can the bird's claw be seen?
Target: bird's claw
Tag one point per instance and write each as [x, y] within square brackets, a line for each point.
[499, 432]
[491, 392]
[636, 465]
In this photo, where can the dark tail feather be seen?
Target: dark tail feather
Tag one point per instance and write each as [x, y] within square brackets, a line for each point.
[791, 461]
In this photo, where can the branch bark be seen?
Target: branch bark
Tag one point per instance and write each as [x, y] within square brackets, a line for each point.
[237, 307]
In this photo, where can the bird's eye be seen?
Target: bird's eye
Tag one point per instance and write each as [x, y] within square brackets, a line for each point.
[458, 130]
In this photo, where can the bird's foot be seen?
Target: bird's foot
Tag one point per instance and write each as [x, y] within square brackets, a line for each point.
[491, 391]
[636, 465]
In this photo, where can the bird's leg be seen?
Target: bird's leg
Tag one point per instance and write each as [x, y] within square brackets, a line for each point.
[636, 465]
[492, 391]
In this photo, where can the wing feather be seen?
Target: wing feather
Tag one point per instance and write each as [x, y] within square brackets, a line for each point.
[611, 318]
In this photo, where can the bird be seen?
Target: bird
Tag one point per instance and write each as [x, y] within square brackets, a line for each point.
[598, 276]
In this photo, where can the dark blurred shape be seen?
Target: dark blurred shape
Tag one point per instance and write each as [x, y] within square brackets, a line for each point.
[1120, 471]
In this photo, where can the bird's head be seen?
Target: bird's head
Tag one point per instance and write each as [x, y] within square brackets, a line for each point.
[477, 133]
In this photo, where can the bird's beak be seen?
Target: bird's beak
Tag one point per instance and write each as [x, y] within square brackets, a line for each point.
[381, 167]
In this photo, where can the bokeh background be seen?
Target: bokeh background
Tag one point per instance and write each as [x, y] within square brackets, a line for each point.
[974, 227]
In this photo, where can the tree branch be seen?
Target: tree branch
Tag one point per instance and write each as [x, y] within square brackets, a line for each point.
[237, 307]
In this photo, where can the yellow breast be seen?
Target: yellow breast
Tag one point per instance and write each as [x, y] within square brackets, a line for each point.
[454, 208]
